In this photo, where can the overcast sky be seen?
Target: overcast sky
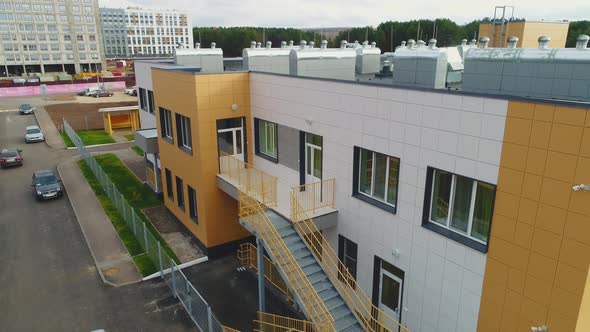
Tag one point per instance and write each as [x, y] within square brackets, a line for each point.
[344, 13]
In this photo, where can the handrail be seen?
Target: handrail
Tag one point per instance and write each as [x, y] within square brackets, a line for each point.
[247, 256]
[271, 322]
[252, 212]
[249, 179]
[229, 329]
[371, 317]
[314, 196]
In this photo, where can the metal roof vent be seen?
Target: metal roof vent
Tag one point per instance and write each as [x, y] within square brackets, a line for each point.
[197, 45]
[544, 42]
[290, 43]
[365, 43]
[311, 44]
[420, 43]
[483, 42]
[463, 42]
[473, 42]
[324, 44]
[213, 44]
[283, 44]
[403, 43]
[302, 44]
[268, 44]
[582, 42]
[252, 44]
[411, 43]
[259, 45]
[343, 43]
[512, 41]
[373, 44]
[432, 43]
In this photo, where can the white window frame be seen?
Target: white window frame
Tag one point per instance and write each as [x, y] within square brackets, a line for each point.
[373, 177]
[167, 125]
[266, 124]
[185, 133]
[451, 205]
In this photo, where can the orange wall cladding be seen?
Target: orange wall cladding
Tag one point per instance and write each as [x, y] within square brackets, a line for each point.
[539, 252]
[204, 99]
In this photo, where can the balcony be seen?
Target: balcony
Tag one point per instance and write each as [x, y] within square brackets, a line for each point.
[316, 200]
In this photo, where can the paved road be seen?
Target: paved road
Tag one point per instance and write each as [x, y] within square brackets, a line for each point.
[48, 281]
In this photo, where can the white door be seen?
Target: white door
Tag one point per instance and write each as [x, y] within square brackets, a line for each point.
[231, 141]
[390, 294]
[313, 158]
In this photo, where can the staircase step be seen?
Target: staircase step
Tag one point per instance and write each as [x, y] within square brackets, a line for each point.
[311, 269]
[301, 253]
[329, 294]
[286, 231]
[293, 238]
[317, 277]
[334, 303]
[306, 261]
[354, 328]
[340, 312]
[293, 247]
[345, 322]
[322, 286]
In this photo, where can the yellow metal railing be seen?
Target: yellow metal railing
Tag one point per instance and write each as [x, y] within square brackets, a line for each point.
[249, 179]
[253, 213]
[313, 196]
[229, 329]
[371, 317]
[247, 256]
[274, 323]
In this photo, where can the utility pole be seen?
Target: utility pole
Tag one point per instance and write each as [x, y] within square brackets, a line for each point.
[391, 37]
[418, 31]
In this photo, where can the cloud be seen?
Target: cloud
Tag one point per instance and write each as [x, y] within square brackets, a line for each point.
[344, 13]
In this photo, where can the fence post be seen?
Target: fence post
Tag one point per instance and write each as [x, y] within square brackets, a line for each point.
[124, 213]
[147, 247]
[188, 298]
[210, 318]
[133, 219]
[160, 258]
[173, 278]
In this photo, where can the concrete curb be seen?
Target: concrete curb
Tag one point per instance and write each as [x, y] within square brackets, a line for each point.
[106, 282]
[181, 266]
[98, 145]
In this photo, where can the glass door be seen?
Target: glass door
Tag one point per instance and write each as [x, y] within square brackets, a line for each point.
[313, 158]
[390, 294]
[231, 139]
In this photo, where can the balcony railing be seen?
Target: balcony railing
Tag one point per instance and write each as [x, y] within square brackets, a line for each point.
[372, 318]
[312, 197]
[274, 323]
[249, 179]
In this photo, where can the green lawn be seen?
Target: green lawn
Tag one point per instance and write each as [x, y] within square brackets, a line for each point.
[138, 195]
[130, 137]
[137, 150]
[89, 137]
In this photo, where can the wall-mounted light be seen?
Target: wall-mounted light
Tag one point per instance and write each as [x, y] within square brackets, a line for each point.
[396, 252]
[309, 121]
[581, 187]
[234, 107]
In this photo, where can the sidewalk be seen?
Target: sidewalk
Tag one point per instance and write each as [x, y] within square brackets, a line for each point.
[115, 265]
[52, 135]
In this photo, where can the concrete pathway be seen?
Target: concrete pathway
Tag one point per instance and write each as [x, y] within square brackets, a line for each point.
[52, 135]
[115, 265]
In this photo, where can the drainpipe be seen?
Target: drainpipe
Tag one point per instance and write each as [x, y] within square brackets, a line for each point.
[260, 259]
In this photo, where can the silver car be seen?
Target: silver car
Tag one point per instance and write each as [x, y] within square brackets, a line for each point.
[33, 134]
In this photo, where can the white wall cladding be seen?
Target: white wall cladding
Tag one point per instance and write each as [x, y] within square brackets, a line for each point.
[443, 279]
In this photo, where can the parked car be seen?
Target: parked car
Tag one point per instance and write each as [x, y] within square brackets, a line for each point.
[131, 91]
[46, 185]
[102, 93]
[33, 134]
[10, 157]
[25, 109]
[89, 91]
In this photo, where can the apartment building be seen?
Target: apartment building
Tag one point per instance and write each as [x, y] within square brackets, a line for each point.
[444, 210]
[527, 32]
[54, 36]
[114, 32]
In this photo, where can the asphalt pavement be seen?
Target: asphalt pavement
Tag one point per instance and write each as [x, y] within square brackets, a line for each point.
[48, 281]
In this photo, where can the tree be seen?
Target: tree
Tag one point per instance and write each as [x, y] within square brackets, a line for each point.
[575, 29]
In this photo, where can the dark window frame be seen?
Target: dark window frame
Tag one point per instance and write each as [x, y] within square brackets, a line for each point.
[364, 197]
[169, 185]
[180, 193]
[446, 232]
[150, 101]
[181, 140]
[343, 244]
[257, 142]
[192, 204]
[166, 125]
[141, 93]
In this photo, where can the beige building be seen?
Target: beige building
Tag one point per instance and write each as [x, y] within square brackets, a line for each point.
[527, 32]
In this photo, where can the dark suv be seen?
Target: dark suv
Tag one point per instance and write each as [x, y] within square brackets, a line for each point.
[46, 185]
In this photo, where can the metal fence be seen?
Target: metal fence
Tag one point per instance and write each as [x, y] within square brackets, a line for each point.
[195, 305]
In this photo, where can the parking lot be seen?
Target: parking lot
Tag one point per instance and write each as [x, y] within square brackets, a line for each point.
[49, 280]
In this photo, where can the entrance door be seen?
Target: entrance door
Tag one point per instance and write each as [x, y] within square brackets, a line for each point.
[230, 137]
[313, 158]
[390, 294]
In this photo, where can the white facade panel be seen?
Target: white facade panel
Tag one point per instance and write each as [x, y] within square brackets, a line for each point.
[443, 278]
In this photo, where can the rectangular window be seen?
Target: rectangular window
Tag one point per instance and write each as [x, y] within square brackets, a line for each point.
[166, 124]
[347, 253]
[183, 131]
[192, 204]
[459, 207]
[169, 190]
[179, 193]
[142, 104]
[150, 101]
[376, 178]
[266, 139]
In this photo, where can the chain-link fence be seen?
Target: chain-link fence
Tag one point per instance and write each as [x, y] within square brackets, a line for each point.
[196, 306]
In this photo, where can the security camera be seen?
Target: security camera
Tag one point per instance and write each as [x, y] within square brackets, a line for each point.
[581, 187]
[542, 328]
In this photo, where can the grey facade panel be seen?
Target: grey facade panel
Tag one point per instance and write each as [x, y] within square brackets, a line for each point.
[288, 147]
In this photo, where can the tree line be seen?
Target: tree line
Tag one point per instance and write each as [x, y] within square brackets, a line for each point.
[387, 35]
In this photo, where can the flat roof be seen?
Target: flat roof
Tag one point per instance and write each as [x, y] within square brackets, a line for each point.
[148, 133]
[118, 109]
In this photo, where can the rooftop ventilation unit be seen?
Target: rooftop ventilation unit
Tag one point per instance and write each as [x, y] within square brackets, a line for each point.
[210, 60]
[464, 47]
[512, 42]
[268, 59]
[368, 59]
[543, 72]
[421, 66]
[335, 63]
